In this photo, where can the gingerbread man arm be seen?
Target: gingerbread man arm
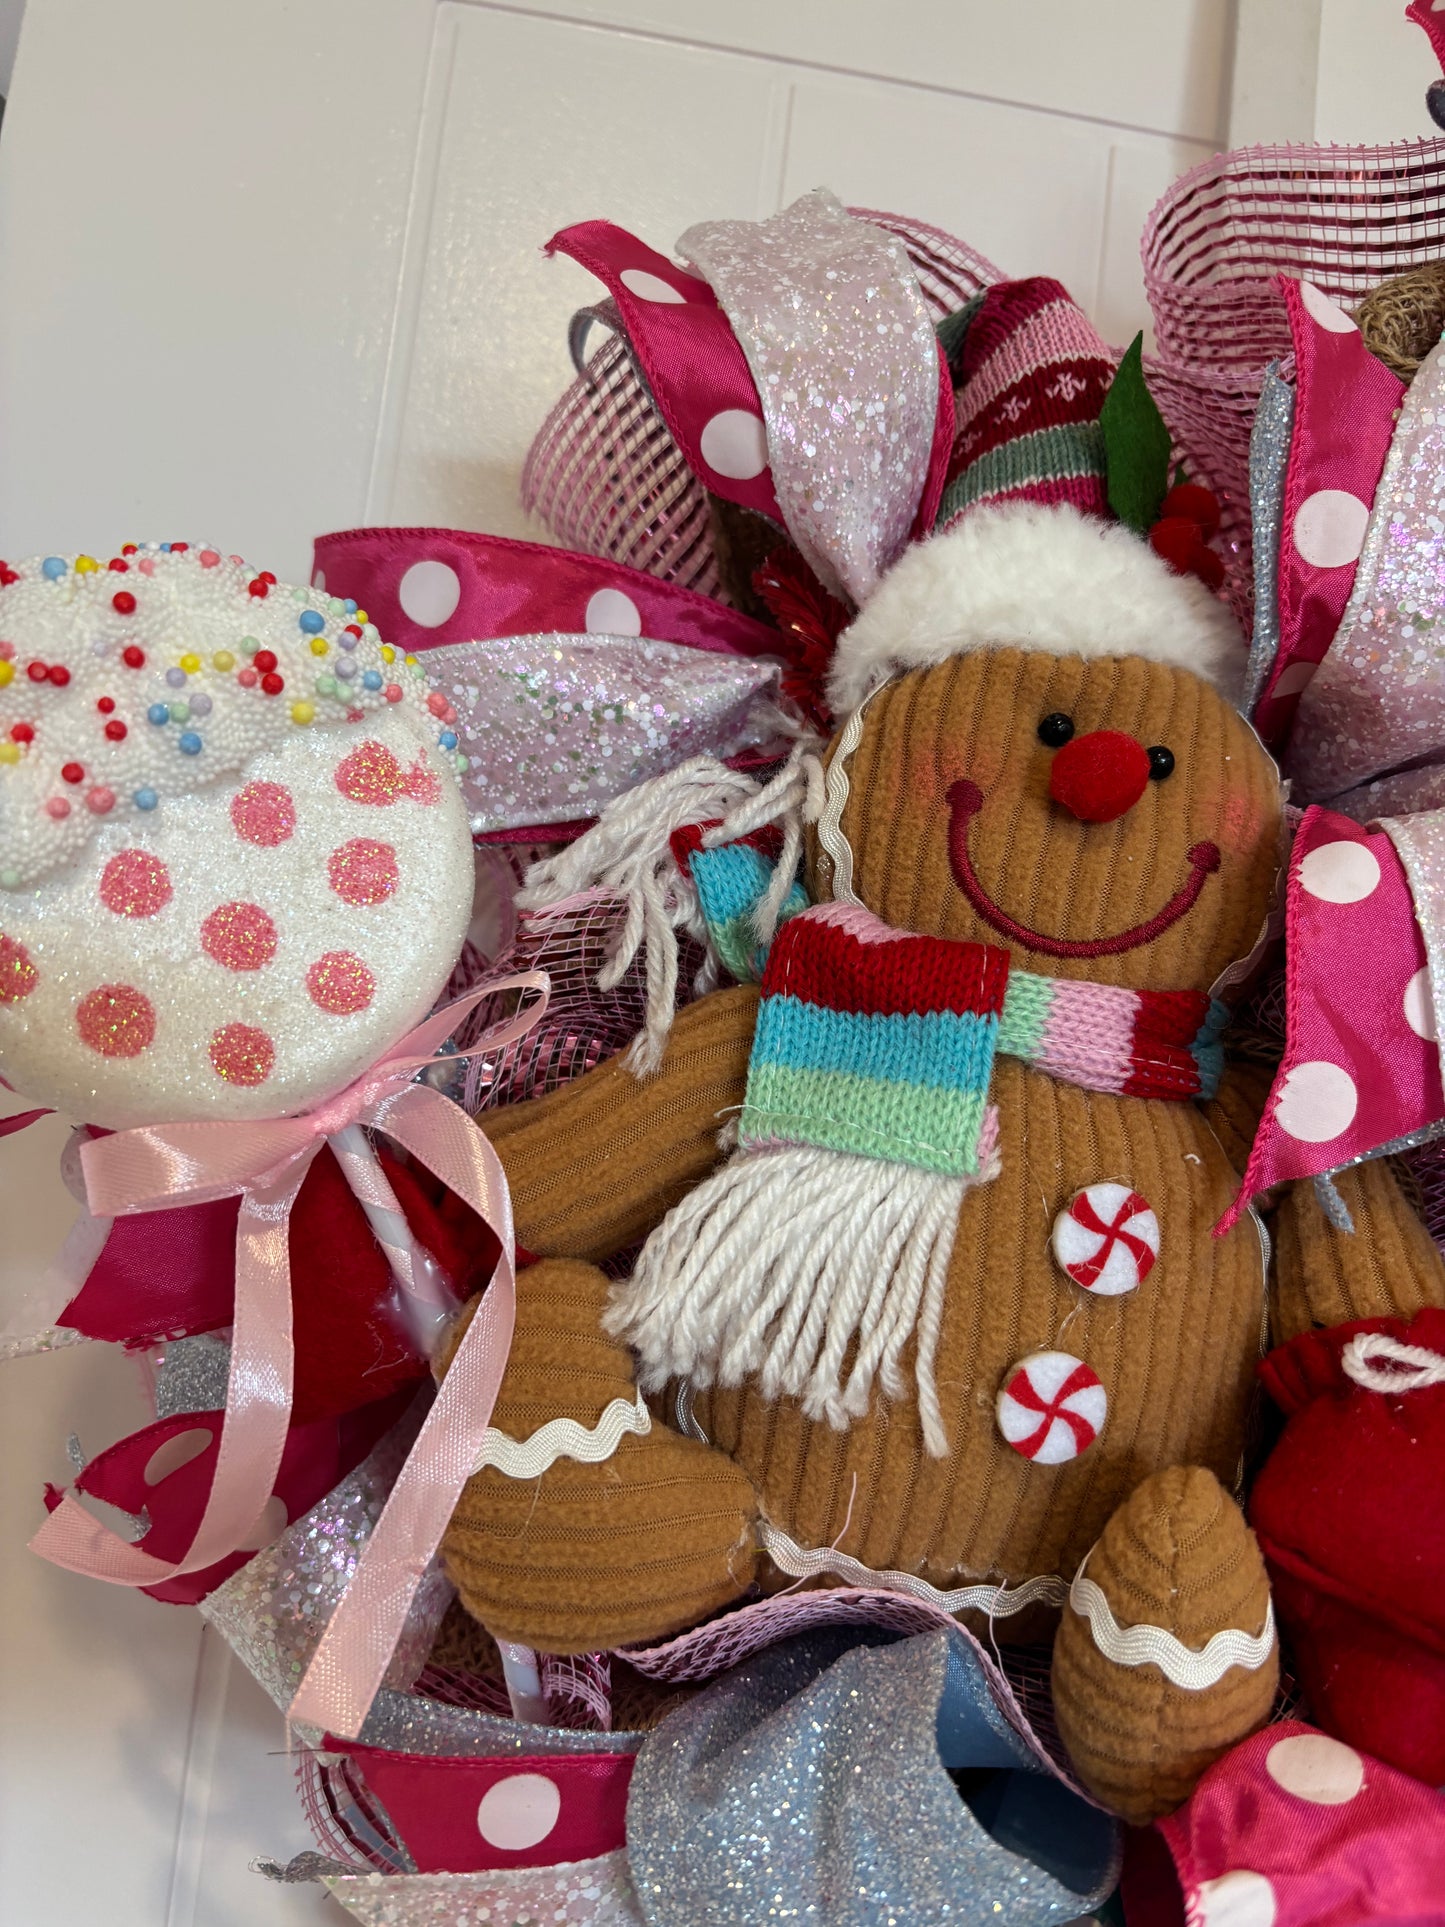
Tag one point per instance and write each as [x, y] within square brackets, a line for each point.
[1387, 1267]
[595, 1165]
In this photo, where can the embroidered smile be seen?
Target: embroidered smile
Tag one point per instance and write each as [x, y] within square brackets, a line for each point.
[965, 799]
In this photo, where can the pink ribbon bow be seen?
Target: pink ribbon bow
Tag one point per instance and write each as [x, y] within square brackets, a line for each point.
[157, 1167]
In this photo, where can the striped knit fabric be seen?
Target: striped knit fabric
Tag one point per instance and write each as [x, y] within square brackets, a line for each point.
[1030, 375]
[1138, 1043]
[877, 1042]
[730, 881]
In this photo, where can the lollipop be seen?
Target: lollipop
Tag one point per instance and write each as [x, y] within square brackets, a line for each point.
[235, 873]
[234, 861]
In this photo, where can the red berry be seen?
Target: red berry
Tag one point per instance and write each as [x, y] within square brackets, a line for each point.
[73, 772]
[1195, 504]
[1209, 567]
[259, 588]
[116, 731]
[133, 658]
[22, 733]
[58, 674]
[37, 672]
[105, 704]
[272, 684]
[123, 602]
[1177, 541]
[121, 568]
[263, 660]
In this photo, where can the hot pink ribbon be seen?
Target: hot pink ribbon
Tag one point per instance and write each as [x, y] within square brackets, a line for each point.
[158, 1167]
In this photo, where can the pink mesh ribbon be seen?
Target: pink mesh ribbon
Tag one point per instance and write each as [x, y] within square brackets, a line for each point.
[159, 1167]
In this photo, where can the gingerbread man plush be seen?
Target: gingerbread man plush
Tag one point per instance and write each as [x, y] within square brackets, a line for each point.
[951, 1304]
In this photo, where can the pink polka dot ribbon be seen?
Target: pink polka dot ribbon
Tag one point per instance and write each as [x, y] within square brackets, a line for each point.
[425, 587]
[1293, 1828]
[695, 367]
[264, 1162]
[1361, 1066]
[1345, 410]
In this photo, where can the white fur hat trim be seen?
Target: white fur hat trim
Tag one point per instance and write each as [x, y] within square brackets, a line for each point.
[1025, 576]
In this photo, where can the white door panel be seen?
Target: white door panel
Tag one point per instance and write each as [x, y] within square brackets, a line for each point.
[274, 268]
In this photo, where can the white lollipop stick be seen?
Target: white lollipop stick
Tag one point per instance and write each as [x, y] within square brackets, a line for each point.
[425, 1301]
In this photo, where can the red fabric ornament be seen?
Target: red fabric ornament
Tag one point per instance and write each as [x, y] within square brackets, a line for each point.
[167, 1276]
[1350, 1514]
[1097, 777]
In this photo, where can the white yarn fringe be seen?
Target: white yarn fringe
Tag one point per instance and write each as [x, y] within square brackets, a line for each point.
[773, 1266]
[627, 852]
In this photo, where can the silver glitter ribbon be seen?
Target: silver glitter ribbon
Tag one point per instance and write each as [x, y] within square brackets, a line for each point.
[838, 338]
[555, 726]
[411, 1723]
[1377, 701]
[1268, 458]
[579, 1893]
[1420, 842]
[193, 1375]
[809, 1784]
[273, 1612]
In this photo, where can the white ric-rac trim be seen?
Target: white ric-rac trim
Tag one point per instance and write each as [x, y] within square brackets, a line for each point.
[998, 1601]
[1193, 1668]
[563, 1438]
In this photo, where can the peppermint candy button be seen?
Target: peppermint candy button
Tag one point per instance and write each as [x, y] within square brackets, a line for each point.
[1107, 1239]
[1052, 1407]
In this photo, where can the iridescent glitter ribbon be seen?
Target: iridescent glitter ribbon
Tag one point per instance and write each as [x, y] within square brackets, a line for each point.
[1377, 701]
[155, 1167]
[837, 334]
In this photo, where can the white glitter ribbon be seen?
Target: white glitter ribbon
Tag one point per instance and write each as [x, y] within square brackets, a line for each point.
[838, 338]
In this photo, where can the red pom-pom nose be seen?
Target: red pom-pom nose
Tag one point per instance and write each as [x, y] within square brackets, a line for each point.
[1099, 776]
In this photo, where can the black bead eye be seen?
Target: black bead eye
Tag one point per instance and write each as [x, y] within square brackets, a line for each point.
[1161, 763]
[1055, 730]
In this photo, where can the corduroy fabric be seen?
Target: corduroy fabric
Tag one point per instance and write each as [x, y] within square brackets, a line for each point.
[976, 716]
[639, 1546]
[1387, 1267]
[594, 1166]
[1177, 1554]
[1176, 1357]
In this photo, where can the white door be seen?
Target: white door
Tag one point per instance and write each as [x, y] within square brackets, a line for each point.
[272, 268]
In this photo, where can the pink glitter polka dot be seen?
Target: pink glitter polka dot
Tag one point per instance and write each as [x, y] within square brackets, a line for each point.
[363, 870]
[340, 983]
[239, 935]
[241, 1054]
[263, 813]
[422, 785]
[371, 774]
[135, 884]
[18, 976]
[116, 1020]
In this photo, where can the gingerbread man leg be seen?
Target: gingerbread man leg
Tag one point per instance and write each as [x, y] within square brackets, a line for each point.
[594, 1525]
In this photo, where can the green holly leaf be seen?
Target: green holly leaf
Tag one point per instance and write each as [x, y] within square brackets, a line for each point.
[1136, 444]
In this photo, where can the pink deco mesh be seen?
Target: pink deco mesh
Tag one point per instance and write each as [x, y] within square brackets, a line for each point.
[1344, 218]
[582, 1025]
[606, 476]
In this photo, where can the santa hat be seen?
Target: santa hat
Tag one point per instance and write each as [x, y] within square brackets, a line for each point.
[1026, 554]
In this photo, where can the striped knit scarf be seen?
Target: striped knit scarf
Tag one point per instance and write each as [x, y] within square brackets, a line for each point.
[825, 1241]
